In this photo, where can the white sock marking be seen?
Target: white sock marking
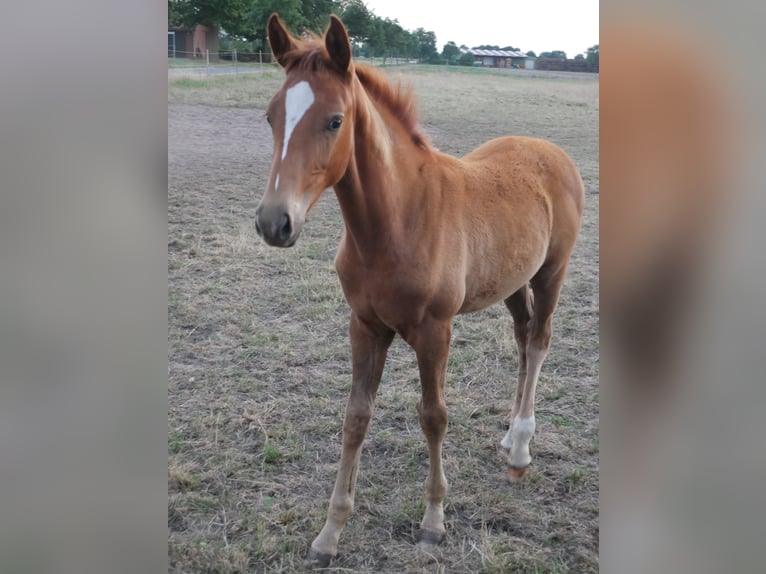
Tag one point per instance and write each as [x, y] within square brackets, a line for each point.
[297, 102]
[518, 436]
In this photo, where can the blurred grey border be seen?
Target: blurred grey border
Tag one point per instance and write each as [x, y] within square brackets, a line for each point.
[83, 411]
[691, 499]
[83, 354]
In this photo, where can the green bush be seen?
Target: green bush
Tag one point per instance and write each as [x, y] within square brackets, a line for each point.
[246, 51]
[466, 59]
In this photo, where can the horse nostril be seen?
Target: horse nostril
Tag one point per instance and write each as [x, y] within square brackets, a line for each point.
[286, 230]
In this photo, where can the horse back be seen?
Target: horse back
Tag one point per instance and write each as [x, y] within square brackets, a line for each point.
[527, 164]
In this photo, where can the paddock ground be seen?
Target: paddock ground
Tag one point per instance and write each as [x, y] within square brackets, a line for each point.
[259, 360]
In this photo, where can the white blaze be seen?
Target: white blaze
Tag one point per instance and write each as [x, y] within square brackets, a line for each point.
[297, 102]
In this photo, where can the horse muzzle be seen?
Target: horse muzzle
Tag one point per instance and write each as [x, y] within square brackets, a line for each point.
[277, 226]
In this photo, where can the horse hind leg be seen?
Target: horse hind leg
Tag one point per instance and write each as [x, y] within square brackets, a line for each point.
[546, 285]
[520, 306]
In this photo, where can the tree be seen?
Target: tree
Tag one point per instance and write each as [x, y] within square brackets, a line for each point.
[358, 19]
[258, 16]
[531, 54]
[231, 15]
[376, 37]
[426, 44]
[554, 54]
[409, 44]
[395, 39]
[177, 14]
[579, 57]
[466, 59]
[592, 58]
[451, 52]
[316, 13]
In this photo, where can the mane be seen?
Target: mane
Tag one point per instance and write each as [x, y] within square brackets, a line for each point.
[399, 100]
[311, 56]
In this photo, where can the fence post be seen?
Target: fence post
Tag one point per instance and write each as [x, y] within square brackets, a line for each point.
[236, 66]
[207, 63]
[260, 58]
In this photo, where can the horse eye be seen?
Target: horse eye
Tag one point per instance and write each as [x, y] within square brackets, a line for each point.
[335, 123]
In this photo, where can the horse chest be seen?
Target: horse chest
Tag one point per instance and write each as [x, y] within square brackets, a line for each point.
[396, 299]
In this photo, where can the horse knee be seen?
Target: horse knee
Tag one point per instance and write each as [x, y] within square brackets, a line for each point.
[433, 419]
[540, 336]
[355, 425]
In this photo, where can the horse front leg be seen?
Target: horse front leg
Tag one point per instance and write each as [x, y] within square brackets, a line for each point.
[431, 343]
[369, 346]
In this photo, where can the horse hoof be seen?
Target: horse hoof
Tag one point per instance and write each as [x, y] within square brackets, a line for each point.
[316, 559]
[516, 474]
[429, 538]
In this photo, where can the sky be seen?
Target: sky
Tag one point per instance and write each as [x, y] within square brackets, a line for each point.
[539, 25]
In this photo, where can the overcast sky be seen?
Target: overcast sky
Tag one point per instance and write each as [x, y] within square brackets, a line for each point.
[539, 25]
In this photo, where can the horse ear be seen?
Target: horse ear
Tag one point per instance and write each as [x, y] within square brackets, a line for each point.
[279, 38]
[337, 44]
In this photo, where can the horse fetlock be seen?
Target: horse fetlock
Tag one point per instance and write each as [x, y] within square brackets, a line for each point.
[340, 510]
[433, 520]
[507, 442]
[517, 441]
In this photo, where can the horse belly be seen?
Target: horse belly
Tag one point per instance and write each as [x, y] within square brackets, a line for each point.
[493, 278]
[480, 296]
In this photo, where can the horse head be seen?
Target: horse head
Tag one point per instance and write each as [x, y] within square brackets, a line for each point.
[312, 124]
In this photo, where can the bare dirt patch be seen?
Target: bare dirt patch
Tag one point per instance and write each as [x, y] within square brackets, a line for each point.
[259, 361]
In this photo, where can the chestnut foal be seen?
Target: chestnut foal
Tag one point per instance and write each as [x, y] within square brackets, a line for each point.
[427, 236]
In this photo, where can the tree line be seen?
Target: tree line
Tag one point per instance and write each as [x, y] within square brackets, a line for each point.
[243, 24]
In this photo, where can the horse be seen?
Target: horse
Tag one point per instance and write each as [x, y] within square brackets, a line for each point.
[427, 237]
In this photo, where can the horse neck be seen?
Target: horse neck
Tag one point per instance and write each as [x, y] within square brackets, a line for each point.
[369, 193]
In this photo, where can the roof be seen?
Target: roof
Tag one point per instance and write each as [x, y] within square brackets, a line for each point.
[501, 53]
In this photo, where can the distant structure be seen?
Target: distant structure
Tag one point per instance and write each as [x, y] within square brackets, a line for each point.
[185, 43]
[562, 65]
[513, 59]
[501, 59]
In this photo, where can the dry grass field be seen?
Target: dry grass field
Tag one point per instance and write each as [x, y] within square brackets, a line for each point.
[259, 359]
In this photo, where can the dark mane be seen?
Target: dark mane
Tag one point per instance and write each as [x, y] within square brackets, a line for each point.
[311, 56]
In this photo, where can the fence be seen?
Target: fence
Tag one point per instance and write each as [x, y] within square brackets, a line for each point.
[216, 63]
[234, 62]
